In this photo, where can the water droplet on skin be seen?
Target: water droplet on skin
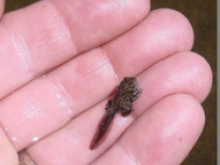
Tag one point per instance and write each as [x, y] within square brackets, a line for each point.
[58, 96]
[35, 139]
[196, 71]
[63, 104]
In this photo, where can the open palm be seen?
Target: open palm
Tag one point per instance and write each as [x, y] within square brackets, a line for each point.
[61, 60]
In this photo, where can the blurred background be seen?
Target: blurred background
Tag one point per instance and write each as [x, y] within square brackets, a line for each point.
[202, 15]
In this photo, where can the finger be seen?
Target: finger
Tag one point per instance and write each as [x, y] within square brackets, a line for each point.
[163, 33]
[46, 34]
[8, 154]
[184, 72]
[164, 134]
[74, 139]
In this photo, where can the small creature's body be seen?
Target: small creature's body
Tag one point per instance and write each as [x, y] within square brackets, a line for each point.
[126, 93]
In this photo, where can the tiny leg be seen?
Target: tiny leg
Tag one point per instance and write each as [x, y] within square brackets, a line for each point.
[126, 112]
[108, 105]
[136, 95]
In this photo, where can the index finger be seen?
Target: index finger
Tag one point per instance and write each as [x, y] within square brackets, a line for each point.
[44, 35]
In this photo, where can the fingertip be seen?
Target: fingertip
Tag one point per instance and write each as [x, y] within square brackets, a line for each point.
[167, 131]
[200, 71]
[178, 25]
[206, 74]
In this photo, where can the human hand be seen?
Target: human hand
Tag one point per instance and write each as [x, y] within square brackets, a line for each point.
[53, 110]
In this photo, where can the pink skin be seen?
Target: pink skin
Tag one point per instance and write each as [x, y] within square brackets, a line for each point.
[167, 119]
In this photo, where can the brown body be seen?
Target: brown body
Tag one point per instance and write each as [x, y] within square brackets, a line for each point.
[126, 93]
